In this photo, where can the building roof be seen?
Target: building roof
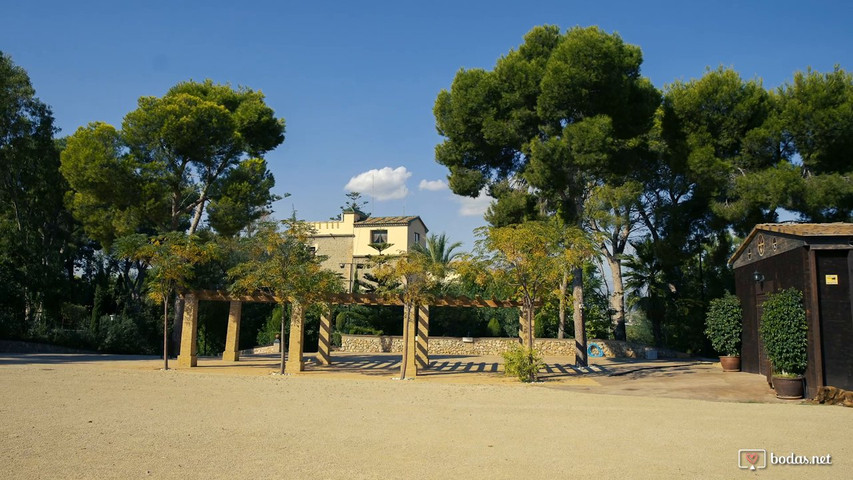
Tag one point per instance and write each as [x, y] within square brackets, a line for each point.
[373, 221]
[838, 229]
[807, 229]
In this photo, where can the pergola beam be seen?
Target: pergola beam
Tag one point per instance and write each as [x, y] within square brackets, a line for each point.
[357, 299]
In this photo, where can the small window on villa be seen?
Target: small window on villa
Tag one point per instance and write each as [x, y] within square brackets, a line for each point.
[379, 236]
[417, 237]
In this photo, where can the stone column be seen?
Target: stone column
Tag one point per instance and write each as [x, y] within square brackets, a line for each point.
[410, 328]
[324, 355]
[422, 353]
[189, 333]
[295, 349]
[232, 337]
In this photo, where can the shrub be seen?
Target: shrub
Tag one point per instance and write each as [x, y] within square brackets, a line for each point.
[494, 328]
[121, 334]
[523, 363]
[784, 332]
[724, 323]
[357, 330]
[272, 327]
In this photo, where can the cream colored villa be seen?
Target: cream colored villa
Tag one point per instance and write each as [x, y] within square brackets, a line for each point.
[347, 242]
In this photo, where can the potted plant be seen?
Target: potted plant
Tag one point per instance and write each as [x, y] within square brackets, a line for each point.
[723, 326]
[784, 332]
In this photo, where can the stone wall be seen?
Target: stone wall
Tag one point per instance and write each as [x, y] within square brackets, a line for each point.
[261, 350]
[495, 346]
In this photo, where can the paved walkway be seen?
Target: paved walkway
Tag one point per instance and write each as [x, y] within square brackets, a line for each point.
[700, 379]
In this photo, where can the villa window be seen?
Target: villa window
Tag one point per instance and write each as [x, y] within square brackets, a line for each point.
[417, 238]
[379, 236]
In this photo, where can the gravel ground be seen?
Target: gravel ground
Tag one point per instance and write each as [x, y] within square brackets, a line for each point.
[103, 418]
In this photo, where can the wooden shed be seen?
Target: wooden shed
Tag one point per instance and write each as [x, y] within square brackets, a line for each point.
[817, 259]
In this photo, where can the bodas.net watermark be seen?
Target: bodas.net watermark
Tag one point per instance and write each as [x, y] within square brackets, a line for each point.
[758, 458]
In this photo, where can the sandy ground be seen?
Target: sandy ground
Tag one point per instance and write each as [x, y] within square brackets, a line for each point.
[67, 416]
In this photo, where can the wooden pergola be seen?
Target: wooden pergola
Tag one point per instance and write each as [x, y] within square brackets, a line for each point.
[416, 328]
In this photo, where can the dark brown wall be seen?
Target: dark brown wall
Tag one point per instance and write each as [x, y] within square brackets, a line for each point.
[836, 320]
[786, 270]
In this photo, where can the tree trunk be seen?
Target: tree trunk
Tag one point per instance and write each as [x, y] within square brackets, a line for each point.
[580, 326]
[564, 285]
[166, 333]
[179, 301]
[528, 316]
[199, 209]
[281, 341]
[617, 299]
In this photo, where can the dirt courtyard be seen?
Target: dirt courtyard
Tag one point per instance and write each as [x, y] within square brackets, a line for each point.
[66, 416]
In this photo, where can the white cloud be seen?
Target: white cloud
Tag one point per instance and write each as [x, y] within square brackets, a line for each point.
[432, 185]
[383, 184]
[474, 207]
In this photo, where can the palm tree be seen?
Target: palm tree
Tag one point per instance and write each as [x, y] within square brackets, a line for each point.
[437, 249]
[649, 288]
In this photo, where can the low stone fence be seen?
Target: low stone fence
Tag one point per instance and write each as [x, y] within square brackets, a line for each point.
[261, 350]
[495, 346]
[19, 346]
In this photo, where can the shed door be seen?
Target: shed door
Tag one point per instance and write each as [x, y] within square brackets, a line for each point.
[836, 320]
[761, 291]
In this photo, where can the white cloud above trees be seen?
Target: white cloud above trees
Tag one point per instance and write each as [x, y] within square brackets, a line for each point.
[432, 185]
[474, 207]
[382, 184]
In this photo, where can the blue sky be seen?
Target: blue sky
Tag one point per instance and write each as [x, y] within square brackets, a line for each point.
[356, 83]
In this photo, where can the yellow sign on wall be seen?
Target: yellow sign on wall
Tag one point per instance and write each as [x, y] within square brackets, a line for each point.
[832, 279]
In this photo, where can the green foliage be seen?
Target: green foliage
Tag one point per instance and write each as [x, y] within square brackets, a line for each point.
[724, 323]
[718, 130]
[359, 330]
[129, 333]
[784, 331]
[639, 330]
[522, 363]
[136, 179]
[494, 327]
[557, 112]
[241, 197]
[272, 327]
[817, 118]
[438, 249]
[37, 239]
[280, 263]
[354, 204]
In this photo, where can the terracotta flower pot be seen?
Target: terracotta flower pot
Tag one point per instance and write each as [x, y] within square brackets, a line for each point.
[788, 388]
[730, 364]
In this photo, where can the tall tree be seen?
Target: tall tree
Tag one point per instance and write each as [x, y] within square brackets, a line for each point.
[172, 259]
[612, 216]
[717, 131]
[525, 257]
[413, 276]
[817, 117]
[438, 249]
[36, 250]
[279, 262]
[559, 115]
[200, 144]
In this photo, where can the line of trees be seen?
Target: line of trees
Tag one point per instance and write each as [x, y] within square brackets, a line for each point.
[590, 166]
[565, 125]
[92, 223]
